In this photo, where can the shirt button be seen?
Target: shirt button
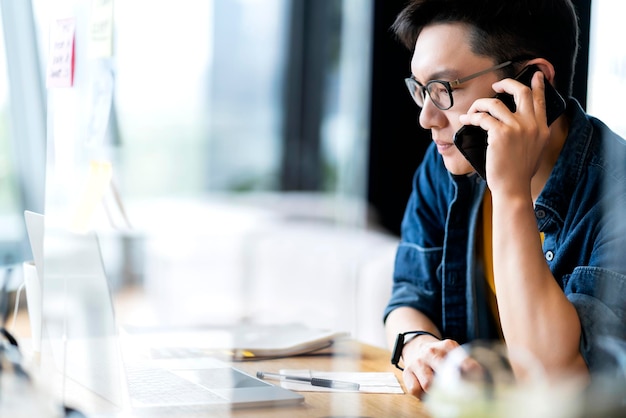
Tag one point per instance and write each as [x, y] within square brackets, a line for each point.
[549, 255]
[540, 213]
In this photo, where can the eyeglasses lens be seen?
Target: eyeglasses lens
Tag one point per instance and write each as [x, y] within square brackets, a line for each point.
[416, 91]
[439, 94]
[437, 91]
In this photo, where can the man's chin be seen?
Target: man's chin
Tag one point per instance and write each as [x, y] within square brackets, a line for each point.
[459, 168]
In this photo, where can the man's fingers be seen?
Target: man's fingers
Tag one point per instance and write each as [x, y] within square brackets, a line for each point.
[418, 378]
[412, 383]
[419, 374]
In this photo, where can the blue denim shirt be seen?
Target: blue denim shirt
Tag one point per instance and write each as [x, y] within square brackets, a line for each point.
[581, 211]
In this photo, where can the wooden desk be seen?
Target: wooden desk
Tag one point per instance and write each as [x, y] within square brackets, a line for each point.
[345, 356]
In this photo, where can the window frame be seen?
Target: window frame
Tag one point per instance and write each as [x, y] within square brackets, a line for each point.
[27, 109]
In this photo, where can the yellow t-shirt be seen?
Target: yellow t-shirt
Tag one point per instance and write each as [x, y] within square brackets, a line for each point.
[486, 252]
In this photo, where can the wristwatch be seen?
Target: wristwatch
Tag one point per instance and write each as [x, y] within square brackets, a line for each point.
[401, 342]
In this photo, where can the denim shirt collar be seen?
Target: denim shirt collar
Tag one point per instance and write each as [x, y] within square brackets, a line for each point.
[555, 198]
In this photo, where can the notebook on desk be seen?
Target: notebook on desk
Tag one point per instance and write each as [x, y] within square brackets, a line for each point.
[81, 341]
[234, 342]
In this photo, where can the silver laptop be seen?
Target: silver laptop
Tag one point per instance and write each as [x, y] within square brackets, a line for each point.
[81, 341]
[35, 227]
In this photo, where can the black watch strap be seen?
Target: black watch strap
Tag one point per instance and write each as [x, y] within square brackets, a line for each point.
[401, 341]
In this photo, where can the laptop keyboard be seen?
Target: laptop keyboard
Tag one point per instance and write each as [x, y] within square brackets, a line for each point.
[153, 386]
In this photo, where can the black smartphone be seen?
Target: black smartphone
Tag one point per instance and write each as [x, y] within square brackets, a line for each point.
[472, 140]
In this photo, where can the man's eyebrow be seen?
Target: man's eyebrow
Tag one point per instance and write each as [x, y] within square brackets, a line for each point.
[445, 74]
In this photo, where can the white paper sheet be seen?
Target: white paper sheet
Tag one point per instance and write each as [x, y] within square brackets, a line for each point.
[371, 382]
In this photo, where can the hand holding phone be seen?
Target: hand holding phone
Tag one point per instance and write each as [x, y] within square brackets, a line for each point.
[472, 140]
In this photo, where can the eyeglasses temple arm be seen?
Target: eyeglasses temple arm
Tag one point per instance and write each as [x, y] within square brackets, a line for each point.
[458, 81]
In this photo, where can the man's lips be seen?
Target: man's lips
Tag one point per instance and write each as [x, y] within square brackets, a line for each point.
[443, 145]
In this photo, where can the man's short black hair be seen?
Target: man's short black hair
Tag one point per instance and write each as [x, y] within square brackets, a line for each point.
[504, 29]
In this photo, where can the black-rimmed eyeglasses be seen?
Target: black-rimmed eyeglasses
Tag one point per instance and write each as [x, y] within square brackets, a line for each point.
[440, 91]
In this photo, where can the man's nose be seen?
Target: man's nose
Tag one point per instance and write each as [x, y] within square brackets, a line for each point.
[430, 116]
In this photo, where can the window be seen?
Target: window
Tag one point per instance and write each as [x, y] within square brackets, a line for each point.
[239, 96]
[197, 95]
[607, 64]
[10, 203]
[22, 129]
[206, 94]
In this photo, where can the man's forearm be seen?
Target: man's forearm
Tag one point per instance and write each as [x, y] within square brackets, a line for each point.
[534, 312]
[407, 319]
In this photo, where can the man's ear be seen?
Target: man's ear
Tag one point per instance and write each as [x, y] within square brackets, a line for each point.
[546, 68]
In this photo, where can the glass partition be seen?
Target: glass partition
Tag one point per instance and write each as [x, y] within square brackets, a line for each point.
[169, 141]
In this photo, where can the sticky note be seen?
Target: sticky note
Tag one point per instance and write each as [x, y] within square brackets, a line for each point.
[98, 182]
[101, 29]
[60, 71]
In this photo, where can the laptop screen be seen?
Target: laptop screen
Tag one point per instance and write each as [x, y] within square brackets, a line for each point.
[80, 332]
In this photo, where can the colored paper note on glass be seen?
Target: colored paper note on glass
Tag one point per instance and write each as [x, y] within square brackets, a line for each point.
[101, 29]
[60, 71]
[98, 182]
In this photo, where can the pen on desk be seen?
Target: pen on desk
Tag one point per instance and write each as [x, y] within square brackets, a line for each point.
[313, 381]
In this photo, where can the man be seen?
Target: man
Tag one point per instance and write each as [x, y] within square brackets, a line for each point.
[532, 259]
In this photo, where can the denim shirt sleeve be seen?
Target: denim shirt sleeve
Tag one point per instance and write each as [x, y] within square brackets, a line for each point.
[598, 292]
[601, 311]
[585, 229]
[416, 280]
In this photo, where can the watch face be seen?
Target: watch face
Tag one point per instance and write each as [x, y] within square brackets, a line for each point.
[397, 351]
